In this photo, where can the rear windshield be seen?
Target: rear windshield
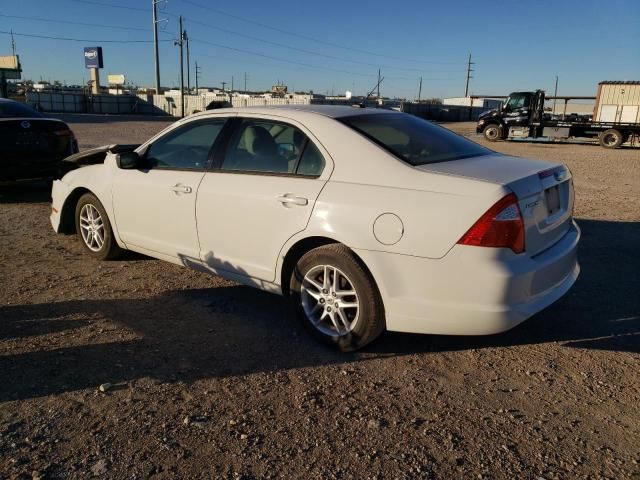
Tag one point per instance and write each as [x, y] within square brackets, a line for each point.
[15, 109]
[413, 139]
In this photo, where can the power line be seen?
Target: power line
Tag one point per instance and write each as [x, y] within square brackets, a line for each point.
[271, 57]
[235, 49]
[297, 49]
[102, 4]
[33, 35]
[214, 27]
[69, 22]
[93, 2]
[294, 62]
[286, 32]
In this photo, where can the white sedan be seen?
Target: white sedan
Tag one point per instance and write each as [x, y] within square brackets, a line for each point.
[367, 219]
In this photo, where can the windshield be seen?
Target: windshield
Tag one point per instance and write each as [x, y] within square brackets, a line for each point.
[517, 100]
[413, 139]
[15, 109]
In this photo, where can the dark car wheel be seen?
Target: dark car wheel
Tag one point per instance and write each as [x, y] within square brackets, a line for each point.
[492, 132]
[611, 138]
[336, 298]
[94, 230]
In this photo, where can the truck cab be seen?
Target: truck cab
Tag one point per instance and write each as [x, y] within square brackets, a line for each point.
[514, 118]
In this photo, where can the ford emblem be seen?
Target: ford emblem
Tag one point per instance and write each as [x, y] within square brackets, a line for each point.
[25, 124]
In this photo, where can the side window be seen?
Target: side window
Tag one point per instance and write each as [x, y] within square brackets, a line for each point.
[264, 146]
[186, 148]
[312, 161]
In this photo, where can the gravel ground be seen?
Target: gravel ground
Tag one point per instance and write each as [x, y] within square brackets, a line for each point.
[209, 379]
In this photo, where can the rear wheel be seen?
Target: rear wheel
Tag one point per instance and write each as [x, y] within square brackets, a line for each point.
[492, 132]
[94, 230]
[336, 298]
[611, 138]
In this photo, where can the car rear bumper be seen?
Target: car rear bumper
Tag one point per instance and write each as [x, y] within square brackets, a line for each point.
[31, 168]
[472, 290]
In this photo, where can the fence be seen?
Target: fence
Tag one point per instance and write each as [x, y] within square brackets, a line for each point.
[167, 104]
[80, 103]
[442, 113]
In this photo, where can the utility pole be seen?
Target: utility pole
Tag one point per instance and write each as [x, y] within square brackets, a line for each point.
[186, 38]
[197, 75]
[13, 43]
[379, 84]
[232, 83]
[180, 43]
[245, 82]
[155, 44]
[420, 90]
[469, 70]
[555, 94]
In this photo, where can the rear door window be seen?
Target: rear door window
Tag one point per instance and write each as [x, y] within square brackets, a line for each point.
[266, 146]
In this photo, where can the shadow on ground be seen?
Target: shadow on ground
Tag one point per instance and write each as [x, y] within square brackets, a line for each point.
[29, 191]
[185, 335]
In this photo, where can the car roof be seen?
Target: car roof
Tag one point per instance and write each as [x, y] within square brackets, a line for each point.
[332, 111]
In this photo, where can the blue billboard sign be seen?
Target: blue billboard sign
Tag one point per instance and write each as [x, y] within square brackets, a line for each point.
[93, 57]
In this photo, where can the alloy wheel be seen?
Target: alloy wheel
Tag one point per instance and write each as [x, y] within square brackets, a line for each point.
[91, 227]
[330, 301]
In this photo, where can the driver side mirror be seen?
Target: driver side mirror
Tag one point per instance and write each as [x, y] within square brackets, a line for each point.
[128, 160]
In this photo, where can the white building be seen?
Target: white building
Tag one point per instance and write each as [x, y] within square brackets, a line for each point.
[486, 103]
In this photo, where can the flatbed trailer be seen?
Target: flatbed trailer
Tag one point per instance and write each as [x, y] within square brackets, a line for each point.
[615, 119]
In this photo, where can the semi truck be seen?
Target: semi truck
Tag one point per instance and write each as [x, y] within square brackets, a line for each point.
[615, 119]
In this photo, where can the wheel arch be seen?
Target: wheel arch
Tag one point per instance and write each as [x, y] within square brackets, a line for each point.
[304, 245]
[68, 213]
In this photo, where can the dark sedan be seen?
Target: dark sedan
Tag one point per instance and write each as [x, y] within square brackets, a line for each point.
[31, 145]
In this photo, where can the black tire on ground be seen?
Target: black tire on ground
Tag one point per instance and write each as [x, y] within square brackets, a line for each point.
[369, 322]
[611, 138]
[493, 132]
[108, 249]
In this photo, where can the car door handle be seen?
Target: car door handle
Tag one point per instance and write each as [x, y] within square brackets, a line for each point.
[289, 199]
[180, 189]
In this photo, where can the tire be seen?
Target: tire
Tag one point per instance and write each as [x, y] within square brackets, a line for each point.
[350, 327]
[492, 132]
[94, 229]
[611, 138]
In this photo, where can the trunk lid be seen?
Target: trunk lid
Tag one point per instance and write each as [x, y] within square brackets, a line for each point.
[34, 139]
[544, 191]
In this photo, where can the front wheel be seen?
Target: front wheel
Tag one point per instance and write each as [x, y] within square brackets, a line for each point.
[492, 132]
[94, 229]
[336, 298]
[611, 138]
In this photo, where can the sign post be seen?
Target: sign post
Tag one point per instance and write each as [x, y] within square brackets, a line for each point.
[93, 61]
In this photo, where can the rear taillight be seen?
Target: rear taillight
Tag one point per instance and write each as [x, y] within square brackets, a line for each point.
[65, 133]
[500, 226]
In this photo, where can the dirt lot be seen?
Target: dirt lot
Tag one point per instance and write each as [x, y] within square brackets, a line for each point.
[214, 380]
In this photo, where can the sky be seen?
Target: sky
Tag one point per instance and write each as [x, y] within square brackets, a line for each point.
[334, 46]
